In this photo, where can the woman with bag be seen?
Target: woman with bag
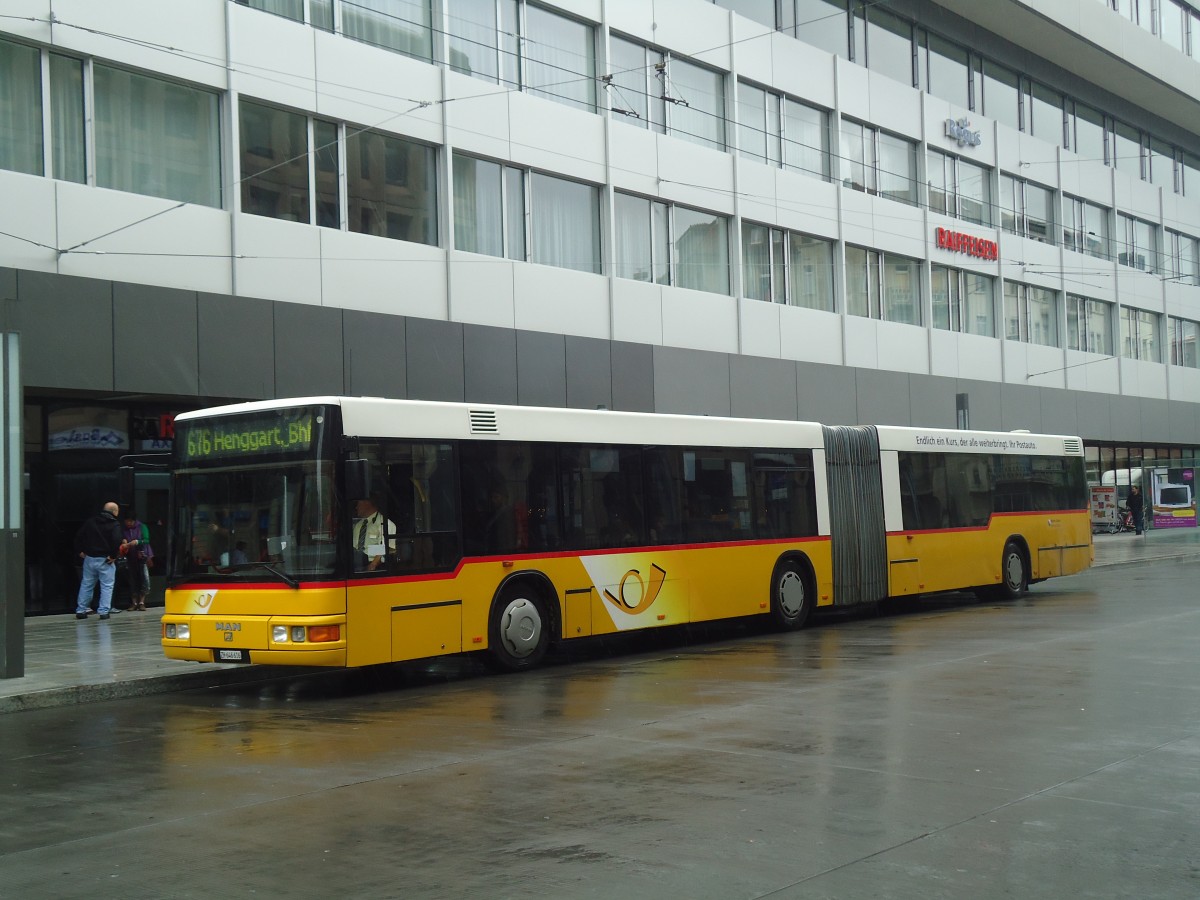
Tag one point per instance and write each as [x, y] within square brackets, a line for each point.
[138, 554]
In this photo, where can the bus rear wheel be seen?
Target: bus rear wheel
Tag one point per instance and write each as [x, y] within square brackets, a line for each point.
[517, 633]
[1014, 573]
[792, 597]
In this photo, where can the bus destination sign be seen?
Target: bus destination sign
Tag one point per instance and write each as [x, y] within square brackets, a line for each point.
[246, 437]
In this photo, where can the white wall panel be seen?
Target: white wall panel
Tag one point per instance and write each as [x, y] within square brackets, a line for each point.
[692, 28]
[898, 228]
[477, 116]
[1138, 198]
[1144, 379]
[587, 10]
[902, 348]
[753, 50]
[957, 355]
[272, 58]
[1089, 276]
[278, 260]
[807, 204]
[637, 311]
[633, 18]
[694, 175]
[802, 71]
[634, 155]
[391, 87]
[760, 328]
[143, 239]
[557, 138]
[1140, 289]
[377, 274]
[181, 40]
[810, 335]
[1182, 300]
[1033, 364]
[894, 106]
[757, 189]
[862, 342]
[561, 301]
[858, 217]
[31, 19]
[1185, 383]
[699, 320]
[1093, 372]
[482, 289]
[853, 91]
[27, 212]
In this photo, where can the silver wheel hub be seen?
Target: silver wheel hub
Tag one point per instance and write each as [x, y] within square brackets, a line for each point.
[1013, 570]
[520, 627]
[791, 594]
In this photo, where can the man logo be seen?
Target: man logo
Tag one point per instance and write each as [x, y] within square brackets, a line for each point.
[635, 600]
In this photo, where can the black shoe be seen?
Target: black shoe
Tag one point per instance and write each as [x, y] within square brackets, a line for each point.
[103, 616]
[81, 615]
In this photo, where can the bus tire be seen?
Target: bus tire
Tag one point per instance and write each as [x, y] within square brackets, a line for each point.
[518, 629]
[1014, 572]
[792, 596]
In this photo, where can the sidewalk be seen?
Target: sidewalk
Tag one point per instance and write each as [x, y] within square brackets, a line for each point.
[72, 661]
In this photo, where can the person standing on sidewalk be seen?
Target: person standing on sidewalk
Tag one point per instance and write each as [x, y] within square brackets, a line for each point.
[138, 554]
[98, 542]
[1136, 507]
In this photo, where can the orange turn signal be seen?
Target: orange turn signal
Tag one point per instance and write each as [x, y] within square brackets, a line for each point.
[323, 634]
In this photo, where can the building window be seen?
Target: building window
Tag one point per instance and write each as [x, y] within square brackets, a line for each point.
[1184, 335]
[68, 155]
[786, 267]
[1137, 244]
[1139, 334]
[1161, 161]
[1089, 325]
[489, 208]
[1191, 163]
[1026, 209]
[289, 9]
[564, 223]
[399, 25]
[700, 250]
[878, 163]
[667, 94]
[670, 244]
[1184, 254]
[1126, 149]
[1085, 227]
[521, 45]
[959, 188]
[963, 301]
[1046, 113]
[156, 137]
[948, 72]
[889, 45]
[391, 188]
[1085, 129]
[822, 23]
[780, 131]
[1030, 314]
[883, 286]
[274, 162]
[1002, 95]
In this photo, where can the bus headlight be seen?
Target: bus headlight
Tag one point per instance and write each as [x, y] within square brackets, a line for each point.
[279, 634]
[176, 632]
[298, 634]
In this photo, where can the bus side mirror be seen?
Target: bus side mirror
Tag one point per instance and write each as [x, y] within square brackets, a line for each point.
[125, 486]
[358, 479]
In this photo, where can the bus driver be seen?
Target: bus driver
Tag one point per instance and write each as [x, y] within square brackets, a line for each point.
[370, 546]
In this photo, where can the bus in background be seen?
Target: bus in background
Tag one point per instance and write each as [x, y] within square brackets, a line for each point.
[354, 531]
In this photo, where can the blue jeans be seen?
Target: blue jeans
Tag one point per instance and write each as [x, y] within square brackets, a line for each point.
[96, 568]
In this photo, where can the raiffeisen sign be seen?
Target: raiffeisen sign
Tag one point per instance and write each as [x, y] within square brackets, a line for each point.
[959, 242]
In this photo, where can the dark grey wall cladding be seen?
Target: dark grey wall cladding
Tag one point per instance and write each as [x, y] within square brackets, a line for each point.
[489, 364]
[541, 369]
[932, 401]
[883, 397]
[435, 360]
[236, 347]
[763, 388]
[95, 335]
[632, 376]
[374, 354]
[8, 284]
[589, 373]
[308, 350]
[826, 394]
[155, 340]
[66, 326]
[691, 383]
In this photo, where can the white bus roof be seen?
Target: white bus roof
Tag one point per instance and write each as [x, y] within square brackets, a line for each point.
[384, 418]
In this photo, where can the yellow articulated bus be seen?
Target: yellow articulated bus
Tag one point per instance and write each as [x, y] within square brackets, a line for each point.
[336, 531]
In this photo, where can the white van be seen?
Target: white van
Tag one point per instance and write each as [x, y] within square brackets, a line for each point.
[1121, 479]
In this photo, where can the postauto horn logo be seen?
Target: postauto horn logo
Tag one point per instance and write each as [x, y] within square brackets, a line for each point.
[635, 595]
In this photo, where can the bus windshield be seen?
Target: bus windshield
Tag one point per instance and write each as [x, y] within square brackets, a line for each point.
[256, 522]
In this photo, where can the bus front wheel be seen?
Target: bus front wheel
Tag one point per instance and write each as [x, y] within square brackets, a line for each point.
[517, 634]
[1014, 573]
[792, 597]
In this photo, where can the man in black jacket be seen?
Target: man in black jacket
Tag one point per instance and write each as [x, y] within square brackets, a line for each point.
[1136, 506]
[98, 542]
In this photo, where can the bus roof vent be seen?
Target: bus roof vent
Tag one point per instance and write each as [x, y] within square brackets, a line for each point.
[483, 421]
[1073, 446]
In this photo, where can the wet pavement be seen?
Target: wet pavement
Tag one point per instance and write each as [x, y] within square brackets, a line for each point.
[71, 661]
[1042, 748]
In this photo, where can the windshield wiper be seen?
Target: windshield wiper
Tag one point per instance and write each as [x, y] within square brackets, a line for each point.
[283, 576]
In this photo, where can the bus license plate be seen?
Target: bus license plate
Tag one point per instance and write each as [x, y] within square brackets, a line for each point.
[233, 656]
